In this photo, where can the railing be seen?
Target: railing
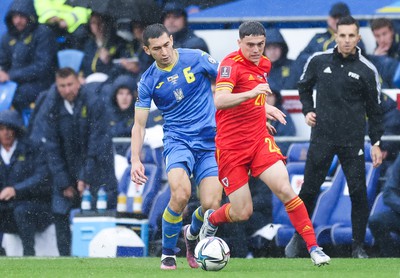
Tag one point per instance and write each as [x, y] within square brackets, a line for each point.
[280, 139]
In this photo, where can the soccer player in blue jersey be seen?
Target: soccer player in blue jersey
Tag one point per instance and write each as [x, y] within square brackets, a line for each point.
[179, 83]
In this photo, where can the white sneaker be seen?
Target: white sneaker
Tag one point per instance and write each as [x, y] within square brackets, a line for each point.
[208, 229]
[318, 257]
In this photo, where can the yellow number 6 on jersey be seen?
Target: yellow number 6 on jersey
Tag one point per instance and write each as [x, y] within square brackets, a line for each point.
[189, 75]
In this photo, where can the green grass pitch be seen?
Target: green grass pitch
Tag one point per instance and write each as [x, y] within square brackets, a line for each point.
[150, 267]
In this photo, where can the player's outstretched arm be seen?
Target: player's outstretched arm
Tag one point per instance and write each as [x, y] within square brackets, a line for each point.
[137, 138]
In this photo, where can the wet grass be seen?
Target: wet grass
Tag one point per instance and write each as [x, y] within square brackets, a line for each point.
[149, 267]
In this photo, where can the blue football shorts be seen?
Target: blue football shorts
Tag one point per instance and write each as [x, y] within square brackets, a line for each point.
[197, 158]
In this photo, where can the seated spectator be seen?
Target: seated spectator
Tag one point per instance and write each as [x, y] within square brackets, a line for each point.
[68, 22]
[120, 109]
[386, 54]
[387, 41]
[78, 148]
[135, 61]
[391, 122]
[27, 54]
[384, 223]
[101, 47]
[175, 19]
[24, 188]
[276, 49]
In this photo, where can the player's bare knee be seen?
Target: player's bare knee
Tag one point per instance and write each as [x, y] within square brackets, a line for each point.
[211, 202]
[244, 214]
[180, 197]
[285, 192]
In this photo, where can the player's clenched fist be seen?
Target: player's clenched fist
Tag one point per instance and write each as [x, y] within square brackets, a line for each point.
[262, 89]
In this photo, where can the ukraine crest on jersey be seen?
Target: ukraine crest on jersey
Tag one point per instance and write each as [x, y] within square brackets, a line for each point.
[183, 95]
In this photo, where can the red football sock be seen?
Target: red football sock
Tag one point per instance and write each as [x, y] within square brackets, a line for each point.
[301, 221]
[221, 215]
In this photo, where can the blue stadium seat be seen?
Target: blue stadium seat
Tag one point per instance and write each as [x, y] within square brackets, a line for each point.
[7, 91]
[70, 58]
[379, 207]
[296, 159]
[297, 152]
[154, 169]
[332, 215]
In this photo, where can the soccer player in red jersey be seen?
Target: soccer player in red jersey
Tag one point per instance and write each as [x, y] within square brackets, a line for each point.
[244, 144]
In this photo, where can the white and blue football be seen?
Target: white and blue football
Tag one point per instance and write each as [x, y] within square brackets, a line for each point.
[212, 253]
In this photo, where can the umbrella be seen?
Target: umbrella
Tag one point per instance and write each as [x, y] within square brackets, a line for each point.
[135, 10]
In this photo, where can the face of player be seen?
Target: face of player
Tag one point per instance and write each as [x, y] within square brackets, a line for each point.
[7, 136]
[124, 98]
[252, 47]
[68, 87]
[162, 50]
[347, 37]
[384, 37]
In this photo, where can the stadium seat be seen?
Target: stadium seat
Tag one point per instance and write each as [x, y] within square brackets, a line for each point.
[70, 58]
[332, 215]
[154, 170]
[7, 91]
[297, 152]
[379, 207]
[296, 158]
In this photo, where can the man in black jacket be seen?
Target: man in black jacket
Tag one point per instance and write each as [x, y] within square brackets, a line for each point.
[348, 89]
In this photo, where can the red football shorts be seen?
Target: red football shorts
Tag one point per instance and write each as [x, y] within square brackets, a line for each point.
[234, 165]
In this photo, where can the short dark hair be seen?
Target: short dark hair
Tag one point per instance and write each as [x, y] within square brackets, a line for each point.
[66, 72]
[348, 20]
[251, 28]
[153, 31]
[379, 23]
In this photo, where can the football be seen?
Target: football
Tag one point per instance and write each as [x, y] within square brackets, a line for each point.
[212, 253]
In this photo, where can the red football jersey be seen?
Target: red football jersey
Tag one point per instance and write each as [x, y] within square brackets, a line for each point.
[242, 125]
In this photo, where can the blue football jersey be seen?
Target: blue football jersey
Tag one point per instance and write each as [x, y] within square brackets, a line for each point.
[183, 95]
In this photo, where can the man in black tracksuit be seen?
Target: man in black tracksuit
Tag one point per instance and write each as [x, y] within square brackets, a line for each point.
[348, 90]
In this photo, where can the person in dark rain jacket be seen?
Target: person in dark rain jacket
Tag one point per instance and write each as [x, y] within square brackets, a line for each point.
[347, 90]
[120, 109]
[27, 53]
[79, 149]
[25, 190]
[101, 47]
[174, 17]
[276, 49]
[386, 222]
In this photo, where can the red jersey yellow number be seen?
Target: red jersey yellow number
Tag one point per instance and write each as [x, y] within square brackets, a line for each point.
[272, 147]
[260, 100]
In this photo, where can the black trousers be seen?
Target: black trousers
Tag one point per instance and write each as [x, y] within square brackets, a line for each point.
[26, 219]
[319, 159]
[63, 233]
